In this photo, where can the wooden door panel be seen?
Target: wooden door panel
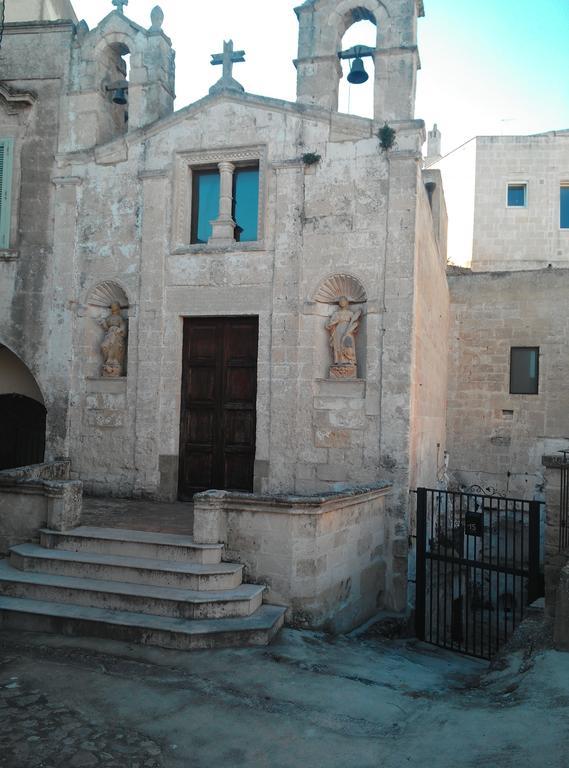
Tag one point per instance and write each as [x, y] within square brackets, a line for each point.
[201, 427]
[198, 465]
[241, 342]
[238, 471]
[240, 385]
[218, 415]
[202, 383]
[203, 344]
[239, 428]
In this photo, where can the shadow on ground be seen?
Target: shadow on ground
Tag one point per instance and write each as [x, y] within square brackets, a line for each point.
[305, 700]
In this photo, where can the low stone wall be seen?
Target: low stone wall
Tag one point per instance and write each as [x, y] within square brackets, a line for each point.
[35, 497]
[322, 556]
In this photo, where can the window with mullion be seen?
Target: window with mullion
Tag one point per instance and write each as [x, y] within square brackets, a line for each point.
[205, 203]
[246, 203]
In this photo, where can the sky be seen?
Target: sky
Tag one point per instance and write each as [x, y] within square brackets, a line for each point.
[488, 66]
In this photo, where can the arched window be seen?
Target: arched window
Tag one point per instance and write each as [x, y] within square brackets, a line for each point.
[358, 99]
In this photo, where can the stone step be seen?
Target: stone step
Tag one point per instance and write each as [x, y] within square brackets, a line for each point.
[117, 541]
[134, 570]
[122, 596]
[162, 631]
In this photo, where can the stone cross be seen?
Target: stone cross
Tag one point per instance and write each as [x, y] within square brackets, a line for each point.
[120, 5]
[227, 59]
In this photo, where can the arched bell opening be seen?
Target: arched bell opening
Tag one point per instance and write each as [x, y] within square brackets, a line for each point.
[117, 87]
[356, 91]
[22, 414]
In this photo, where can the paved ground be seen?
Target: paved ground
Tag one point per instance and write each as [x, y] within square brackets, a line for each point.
[305, 700]
[140, 515]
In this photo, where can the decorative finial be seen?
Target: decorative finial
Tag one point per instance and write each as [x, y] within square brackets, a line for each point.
[119, 4]
[82, 30]
[157, 19]
[227, 59]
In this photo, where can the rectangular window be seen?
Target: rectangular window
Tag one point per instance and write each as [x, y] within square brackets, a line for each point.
[6, 161]
[524, 370]
[205, 204]
[517, 195]
[564, 206]
[246, 204]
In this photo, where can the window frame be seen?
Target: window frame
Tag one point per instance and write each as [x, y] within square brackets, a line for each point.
[563, 185]
[6, 192]
[525, 186]
[194, 224]
[244, 167]
[185, 165]
[525, 349]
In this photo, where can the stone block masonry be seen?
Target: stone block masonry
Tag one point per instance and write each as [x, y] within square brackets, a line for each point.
[322, 556]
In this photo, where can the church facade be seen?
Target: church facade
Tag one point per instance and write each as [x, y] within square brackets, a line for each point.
[233, 295]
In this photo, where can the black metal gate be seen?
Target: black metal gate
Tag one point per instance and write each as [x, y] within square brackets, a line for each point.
[478, 568]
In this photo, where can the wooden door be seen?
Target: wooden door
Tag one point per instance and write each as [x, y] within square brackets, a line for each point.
[219, 398]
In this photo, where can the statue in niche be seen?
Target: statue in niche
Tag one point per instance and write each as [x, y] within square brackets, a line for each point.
[113, 347]
[343, 326]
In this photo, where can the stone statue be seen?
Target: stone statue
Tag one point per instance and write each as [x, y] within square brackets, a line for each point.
[343, 326]
[113, 347]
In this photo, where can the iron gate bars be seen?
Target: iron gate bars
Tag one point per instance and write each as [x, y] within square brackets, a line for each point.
[478, 568]
[564, 509]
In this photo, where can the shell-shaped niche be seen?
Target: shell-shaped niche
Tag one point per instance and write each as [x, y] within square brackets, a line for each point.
[107, 293]
[339, 285]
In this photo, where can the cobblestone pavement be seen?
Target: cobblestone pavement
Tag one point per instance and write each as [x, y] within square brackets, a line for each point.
[41, 732]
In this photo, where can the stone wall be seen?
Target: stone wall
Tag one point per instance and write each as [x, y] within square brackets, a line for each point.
[33, 295]
[497, 439]
[322, 556]
[34, 497]
[520, 237]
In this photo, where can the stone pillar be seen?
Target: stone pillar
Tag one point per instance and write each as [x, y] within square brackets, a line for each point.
[223, 229]
[318, 81]
[554, 559]
[59, 357]
[395, 84]
[150, 347]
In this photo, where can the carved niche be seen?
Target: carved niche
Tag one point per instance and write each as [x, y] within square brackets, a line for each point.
[343, 323]
[109, 309]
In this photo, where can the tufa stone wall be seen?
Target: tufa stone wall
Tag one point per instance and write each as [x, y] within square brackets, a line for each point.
[496, 439]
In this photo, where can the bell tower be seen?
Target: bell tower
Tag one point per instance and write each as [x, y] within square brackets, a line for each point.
[122, 78]
[322, 25]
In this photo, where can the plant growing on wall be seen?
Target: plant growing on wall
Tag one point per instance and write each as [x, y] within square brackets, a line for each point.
[311, 158]
[387, 137]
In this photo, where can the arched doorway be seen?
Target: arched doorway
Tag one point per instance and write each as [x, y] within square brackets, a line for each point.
[22, 414]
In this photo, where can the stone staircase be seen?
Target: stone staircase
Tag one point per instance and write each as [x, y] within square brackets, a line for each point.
[149, 588]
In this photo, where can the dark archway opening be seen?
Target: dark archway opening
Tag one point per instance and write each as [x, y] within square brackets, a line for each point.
[22, 430]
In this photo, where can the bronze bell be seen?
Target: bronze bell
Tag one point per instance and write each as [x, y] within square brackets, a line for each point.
[119, 96]
[358, 74]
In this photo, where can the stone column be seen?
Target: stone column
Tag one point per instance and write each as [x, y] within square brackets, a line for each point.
[150, 347]
[60, 378]
[554, 559]
[223, 230]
